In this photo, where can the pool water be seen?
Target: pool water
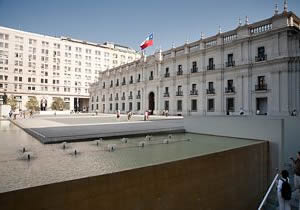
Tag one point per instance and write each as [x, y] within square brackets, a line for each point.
[51, 163]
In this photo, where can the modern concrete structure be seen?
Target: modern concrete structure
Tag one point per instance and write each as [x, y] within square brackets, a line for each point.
[48, 67]
[254, 68]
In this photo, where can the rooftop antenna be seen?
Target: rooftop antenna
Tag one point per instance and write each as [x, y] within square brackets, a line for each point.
[276, 9]
[240, 21]
[285, 7]
[247, 21]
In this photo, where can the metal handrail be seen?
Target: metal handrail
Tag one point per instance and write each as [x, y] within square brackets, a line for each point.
[268, 192]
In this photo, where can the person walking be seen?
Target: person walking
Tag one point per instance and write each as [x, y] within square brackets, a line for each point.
[118, 114]
[284, 191]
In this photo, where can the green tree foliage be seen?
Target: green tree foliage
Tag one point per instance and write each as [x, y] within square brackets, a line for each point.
[58, 104]
[12, 102]
[32, 104]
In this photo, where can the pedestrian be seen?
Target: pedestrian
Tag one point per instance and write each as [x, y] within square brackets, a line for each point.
[10, 113]
[30, 113]
[167, 113]
[129, 114]
[24, 114]
[296, 164]
[284, 191]
[294, 113]
[118, 114]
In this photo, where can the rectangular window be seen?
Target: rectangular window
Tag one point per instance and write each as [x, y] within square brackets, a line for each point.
[166, 105]
[130, 106]
[138, 106]
[194, 105]
[123, 106]
[110, 107]
[230, 104]
[211, 105]
[179, 105]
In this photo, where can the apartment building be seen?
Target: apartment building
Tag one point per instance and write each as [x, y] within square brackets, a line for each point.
[48, 67]
[254, 69]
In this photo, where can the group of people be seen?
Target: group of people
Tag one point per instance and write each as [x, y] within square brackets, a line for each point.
[165, 113]
[19, 112]
[284, 190]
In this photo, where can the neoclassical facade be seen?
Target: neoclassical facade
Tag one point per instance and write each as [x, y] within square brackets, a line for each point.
[253, 68]
[49, 67]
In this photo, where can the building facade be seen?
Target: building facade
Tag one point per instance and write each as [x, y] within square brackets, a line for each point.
[49, 67]
[253, 68]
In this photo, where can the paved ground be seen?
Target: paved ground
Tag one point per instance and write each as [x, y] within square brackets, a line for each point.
[81, 128]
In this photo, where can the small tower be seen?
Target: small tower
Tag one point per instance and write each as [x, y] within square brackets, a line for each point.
[173, 45]
[220, 30]
[240, 22]
[247, 21]
[285, 6]
[202, 35]
[276, 9]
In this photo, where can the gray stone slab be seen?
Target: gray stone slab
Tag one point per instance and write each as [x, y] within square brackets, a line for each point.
[48, 135]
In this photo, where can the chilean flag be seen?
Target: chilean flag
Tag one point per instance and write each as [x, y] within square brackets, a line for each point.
[148, 42]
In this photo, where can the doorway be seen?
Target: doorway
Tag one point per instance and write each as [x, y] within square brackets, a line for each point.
[151, 102]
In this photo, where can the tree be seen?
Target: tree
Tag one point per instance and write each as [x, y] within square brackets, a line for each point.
[32, 104]
[12, 102]
[58, 104]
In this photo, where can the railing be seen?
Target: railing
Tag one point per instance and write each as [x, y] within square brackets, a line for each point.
[179, 93]
[194, 92]
[179, 72]
[138, 80]
[151, 78]
[260, 58]
[103, 99]
[123, 98]
[138, 96]
[166, 94]
[210, 91]
[110, 99]
[268, 192]
[111, 86]
[261, 87]
[211, 67]
[131, 82]
[194, 70]
[167, 74]
[130, 97]
[117, 84]
[230, 90]
[116, 98]
[123, 83]
[230, 64]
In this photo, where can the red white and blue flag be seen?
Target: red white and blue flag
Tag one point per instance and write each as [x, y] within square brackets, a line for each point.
[148, 42]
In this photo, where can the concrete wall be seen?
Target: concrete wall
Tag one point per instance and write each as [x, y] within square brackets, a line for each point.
[233, 179]
[283, 133]
[292, 138]
[260, 128]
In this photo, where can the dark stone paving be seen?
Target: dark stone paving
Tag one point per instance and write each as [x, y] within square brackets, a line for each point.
[48, 135]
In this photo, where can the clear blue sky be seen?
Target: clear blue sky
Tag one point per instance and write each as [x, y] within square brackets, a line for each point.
[128, 22]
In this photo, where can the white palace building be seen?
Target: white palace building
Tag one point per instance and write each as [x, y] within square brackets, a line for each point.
[49, 67]
[254, 68]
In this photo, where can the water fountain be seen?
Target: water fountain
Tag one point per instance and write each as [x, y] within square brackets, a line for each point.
[24, 149]
[27, 156]
[142, 143]
[148, 138]
[64, 145]
[166, 141]
[111, 147]
[124, 140]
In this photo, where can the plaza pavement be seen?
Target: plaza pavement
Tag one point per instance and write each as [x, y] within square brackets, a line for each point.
[55, 129]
